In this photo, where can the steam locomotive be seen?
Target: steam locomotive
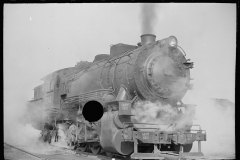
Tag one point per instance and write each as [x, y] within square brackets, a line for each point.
[95, 103]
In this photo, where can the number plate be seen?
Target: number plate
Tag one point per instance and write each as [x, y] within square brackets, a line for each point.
[124, 108]
[145, 135]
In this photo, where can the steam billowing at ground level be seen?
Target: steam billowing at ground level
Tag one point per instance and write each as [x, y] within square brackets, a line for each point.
[22, 129]
[216, 116]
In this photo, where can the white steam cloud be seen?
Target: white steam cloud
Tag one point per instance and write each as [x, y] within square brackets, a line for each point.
[213, 115]
[164, 115]
[20, 130]
[217, 118]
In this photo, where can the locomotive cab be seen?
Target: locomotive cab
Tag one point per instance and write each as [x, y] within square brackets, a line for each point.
[51, 91]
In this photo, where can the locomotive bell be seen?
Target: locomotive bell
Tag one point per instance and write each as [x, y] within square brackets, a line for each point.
[147, 38]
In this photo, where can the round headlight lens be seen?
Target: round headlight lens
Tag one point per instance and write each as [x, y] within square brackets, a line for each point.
[173, 41]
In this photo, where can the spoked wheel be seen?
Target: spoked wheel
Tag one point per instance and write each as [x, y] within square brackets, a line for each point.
[95, 148]
[186, 147]
[109, 154]
[83, 147]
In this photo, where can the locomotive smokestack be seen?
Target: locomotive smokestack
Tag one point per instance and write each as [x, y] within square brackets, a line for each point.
[147, 38]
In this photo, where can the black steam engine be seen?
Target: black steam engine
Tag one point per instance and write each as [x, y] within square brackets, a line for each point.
[94, 103]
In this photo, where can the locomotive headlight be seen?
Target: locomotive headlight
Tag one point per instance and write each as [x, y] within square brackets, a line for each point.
[172, 41]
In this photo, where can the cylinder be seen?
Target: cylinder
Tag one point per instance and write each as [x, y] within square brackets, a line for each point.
[111, 137]
[147, 38]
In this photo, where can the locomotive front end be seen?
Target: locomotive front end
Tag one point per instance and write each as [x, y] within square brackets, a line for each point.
[162, 74]
[162, 71]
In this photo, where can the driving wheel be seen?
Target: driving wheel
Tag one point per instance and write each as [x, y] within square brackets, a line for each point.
[95, 148]
[83, 147]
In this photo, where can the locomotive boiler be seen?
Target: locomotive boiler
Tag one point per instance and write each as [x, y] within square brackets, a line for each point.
[93, 102]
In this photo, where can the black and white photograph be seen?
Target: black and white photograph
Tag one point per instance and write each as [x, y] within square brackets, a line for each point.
[119, 81]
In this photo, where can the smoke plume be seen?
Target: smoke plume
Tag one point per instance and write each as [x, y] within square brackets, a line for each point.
[148, 18]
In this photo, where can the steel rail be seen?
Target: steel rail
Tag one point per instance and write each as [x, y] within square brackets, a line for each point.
[89, 155]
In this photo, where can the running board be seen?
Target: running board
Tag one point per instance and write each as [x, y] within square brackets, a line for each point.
[146, 156]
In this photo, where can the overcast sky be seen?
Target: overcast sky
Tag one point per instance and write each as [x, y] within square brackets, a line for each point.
[42, 38]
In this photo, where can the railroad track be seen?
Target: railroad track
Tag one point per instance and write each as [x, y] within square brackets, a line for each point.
[19, 154]
[15, 153]
[90, 155]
